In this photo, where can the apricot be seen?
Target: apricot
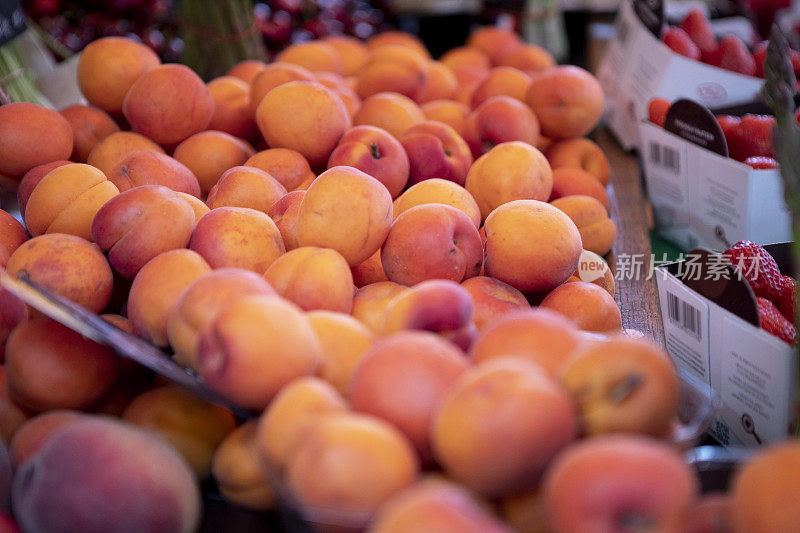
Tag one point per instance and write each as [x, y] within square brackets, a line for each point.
[586, 304]
[68, 266]
[623, 385]
[327, 214]
[397, 38]
[438, 191]
[32, 178]
[350, 462]
[394, 68]
[597, 230]
[432, 241]
[13, 311]
[296, 408]
[237, 237]
[168, 104]
[509, 171]
[31, 435]
[236, 468]
[209, 154]
[344, 341]
[156, 289]
[497, 120]
[528, 58]
[192, 425]
[337, 84]
[289, 167]
[249, 187]
[494, 41]
[316, 56]
[273, 75]
[284, 213]
[711, 514]
[233, 113]
[12, 416]
[200, 303]
[106, 153]
[525, 512]
[580, 153]
[500, 425]
[313, 278]
[440, 83]
[108, 68]
[90, 125]
[389, 111]
[501, 81]
[569, 181]
[31, 135]
[352, 52]
[608, 482]
[491, 299]
[594, 269]
[51, 367]
[369, 271]
[510, 257]
[254, 347]
[567, 100]
[247, 70]
[375, 152]
[467, 63]
[101, 456]
[146, 167]
[435, 150]
[452, 113]
[402, 378]
[371, 302]
[12, 233]
[200, 209]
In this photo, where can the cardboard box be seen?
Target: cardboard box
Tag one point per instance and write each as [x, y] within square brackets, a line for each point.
[711, 330]
[638, 66]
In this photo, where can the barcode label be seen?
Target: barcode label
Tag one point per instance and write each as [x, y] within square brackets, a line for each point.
[684, 315]
[623, 31]
[665, 157]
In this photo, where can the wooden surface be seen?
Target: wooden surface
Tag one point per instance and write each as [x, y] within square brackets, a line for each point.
[636, 295]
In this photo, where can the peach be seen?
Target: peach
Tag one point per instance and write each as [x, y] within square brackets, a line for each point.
[393, 68]
[580, 153]
[90, 125]
[51, 367]
[623, 385]
[432, 241]
[233, 112]
[567, 100]
[31, 135]
[67, 265]
[464, 93]
[326, 214]
[390, 111]
[509, 171]
[198, 207]
[192, 425]
[141, 223]
[435, 150]
[351, 463]
[467, 63]
[369, 271]
[168, 104]
[500, 425]
[371, 302]
[609, 483]
[290, 111]
[209, 154]
[273, 75]
[105, 463]
[109, 68]
[375, 152]
[246, 187]
[31, 435]
[528, 58]
[598, 232]
[313, 278]
[284, 213]
[12, 233]
[344, 342]
[337, 84]
[494, 41]
[247, 70]
[254, 347]
[402, 378]
[109, 151]
[398, 38]
[156, 289]
[510, 257]
[594, 269]
[569, 181]
[763, 488]
[295, 409]
[146, 167]
[491, 299]
[236, 468]
[438, 191]
[501, 81]
[200, 303]
[440, 83]
[589, 306]
[32, 178]
[497, 120]
[452, 113]
[352, 52]
[289, 167]
[316, 56]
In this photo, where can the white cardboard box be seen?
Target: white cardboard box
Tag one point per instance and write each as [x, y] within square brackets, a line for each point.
[637, 66]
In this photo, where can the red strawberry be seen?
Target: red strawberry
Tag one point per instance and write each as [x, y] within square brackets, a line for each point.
[657, 110]
[757, 266]
[732, 54]
[797, 113]
[760, 162]
[787, 300]
[680, 43]
[773, 322]
[697, 26]
[752, 137]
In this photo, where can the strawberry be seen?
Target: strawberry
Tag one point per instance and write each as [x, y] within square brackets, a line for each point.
[773, 322]
[697, 26]
[752, 137]
[797, 113]
[657, 111]
[732, 54]
[787, 299]
[760, 56]
[680, 43]
[760, 162]
[757, 266]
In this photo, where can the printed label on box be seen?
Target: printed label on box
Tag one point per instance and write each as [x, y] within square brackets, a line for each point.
[718, 192]
[667, 180]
